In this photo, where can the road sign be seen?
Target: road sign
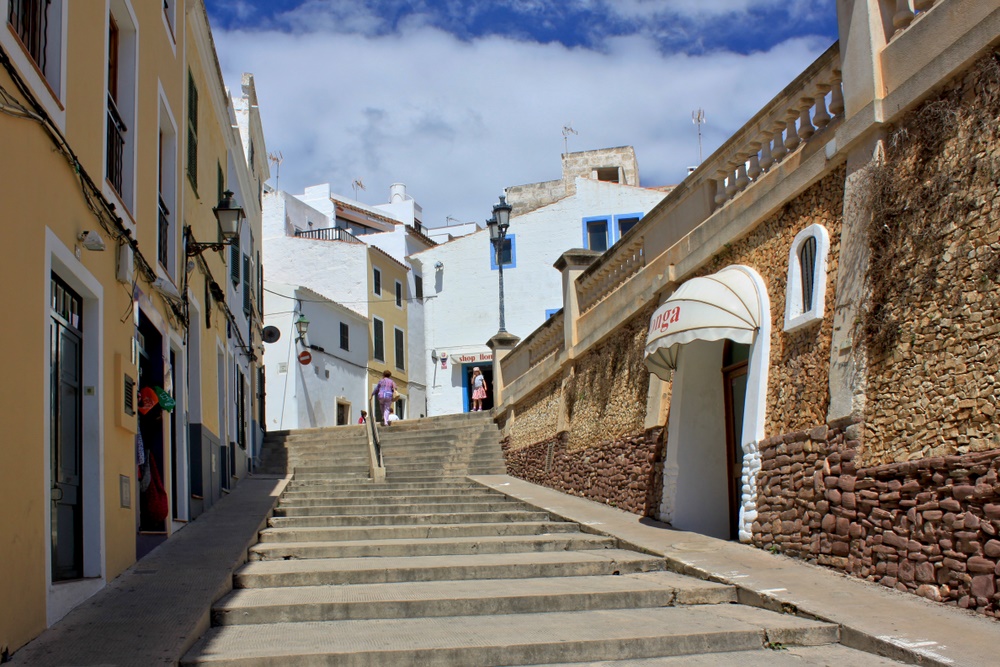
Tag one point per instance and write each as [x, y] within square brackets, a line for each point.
[305, 357]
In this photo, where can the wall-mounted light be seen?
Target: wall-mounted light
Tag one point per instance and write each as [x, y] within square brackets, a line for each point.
[229, 215]
[91, 240]
[302, 326]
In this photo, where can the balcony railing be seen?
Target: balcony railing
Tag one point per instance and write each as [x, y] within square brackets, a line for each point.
[328, 234]
[163, 235]
[904, 14]
[29, 19]
[116, 146]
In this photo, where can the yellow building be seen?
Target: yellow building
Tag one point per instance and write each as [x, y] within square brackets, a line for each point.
[117, 135]
[387, 281]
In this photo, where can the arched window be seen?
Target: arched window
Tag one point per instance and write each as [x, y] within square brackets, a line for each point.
[805, 296]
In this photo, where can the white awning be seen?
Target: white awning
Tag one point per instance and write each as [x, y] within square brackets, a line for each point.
[723, 305]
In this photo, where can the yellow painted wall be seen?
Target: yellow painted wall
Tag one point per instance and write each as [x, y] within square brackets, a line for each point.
[384, 307]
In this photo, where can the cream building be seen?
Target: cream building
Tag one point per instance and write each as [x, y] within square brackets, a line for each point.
[118, 136]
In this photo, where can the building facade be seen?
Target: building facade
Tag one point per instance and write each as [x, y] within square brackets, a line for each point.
[462, 311]
[794, 348]
[104, 103]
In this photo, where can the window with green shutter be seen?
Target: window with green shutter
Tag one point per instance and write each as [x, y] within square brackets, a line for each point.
[234, 264]
[246, 285]
[192, 148]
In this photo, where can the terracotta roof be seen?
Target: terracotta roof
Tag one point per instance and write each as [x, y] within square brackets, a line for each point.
[377, 249]
[363, 211]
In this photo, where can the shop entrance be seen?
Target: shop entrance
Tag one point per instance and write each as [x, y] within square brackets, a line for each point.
[487, 371]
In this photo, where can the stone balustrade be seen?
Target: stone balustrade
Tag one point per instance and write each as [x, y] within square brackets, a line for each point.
[542, 343]
[620, 263]
[906, 12]
[805, 107]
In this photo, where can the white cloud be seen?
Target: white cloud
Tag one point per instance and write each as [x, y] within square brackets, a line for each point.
[458, 121]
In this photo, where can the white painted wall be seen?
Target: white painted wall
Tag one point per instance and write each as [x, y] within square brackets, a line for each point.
[696, 492]
[464, 311]
[305, 396]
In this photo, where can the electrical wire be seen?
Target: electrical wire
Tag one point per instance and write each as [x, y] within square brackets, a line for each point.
[293, 298]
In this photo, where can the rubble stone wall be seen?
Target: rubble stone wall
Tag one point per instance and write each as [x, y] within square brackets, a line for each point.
[928, 526]
[933, 387]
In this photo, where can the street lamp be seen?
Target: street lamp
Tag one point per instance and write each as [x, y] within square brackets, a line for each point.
[229, 215]
[302, 326]
[498, 225]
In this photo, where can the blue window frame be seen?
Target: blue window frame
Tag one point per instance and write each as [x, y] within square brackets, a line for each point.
[551, 311]
[508, 253]
[597, 233]
[625, 222]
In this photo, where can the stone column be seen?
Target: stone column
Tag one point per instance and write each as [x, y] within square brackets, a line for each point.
[501, 344]
[863, 25]
[571, 264]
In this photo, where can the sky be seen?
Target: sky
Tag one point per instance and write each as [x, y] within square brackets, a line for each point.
[458, 99]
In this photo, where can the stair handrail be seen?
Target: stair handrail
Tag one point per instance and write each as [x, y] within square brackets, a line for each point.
[375, 463]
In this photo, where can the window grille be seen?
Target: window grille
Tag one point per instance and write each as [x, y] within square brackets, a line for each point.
[807, 263]
[30, 20]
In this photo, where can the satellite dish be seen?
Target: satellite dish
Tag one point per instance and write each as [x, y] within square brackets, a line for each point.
[271, 334]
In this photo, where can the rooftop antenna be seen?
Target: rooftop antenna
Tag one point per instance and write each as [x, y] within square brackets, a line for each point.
[358, 183]
[277, 159]
[698, 118]
[567, 130]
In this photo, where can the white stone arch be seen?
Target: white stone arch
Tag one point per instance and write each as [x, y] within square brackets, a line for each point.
[691, 415]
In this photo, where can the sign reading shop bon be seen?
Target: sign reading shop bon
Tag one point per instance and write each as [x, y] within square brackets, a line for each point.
[470, 358]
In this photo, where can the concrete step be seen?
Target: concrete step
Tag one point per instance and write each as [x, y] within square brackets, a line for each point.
[337, 533]
[337, 571]
[465, 598]
[514, 639]
[430, 546]
[335, 500]
[304, 474]
[830, 655]
[423, 519]
[383, 493]
[499, 505]
[379, 487]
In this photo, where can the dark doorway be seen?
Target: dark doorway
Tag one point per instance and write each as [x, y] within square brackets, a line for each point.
[735, 357]
[487, 371]
[66, 429]
[149, 345]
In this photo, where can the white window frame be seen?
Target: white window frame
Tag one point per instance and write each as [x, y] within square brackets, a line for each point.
[168, 125]
[376, 284]
[374, 349]
[396, 331]
[50, 90]
[795, 316]
[399, 296]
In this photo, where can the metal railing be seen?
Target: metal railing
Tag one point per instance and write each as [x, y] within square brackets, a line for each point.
[328, 234]
[373, 430]
[163, 234]
[30, 20]
[115, 146]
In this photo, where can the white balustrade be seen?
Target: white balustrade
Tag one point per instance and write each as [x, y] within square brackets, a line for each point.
[904, 15]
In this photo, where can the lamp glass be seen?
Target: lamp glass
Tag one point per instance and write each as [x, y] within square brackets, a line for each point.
[491, 224]
[229, 214]
[302, 325]
[501, 212]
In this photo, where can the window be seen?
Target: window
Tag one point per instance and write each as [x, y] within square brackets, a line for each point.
[378, 334]
[169, 16]
[399, 294]
[234, 265]
[418, 287]
[508, 253]
[192, 130]
[805, 290]
[246, 285]
[609, 174]
[345, 336]
[166, 251]
[626, 222]
[595, 233]
[551, 311]
[121, 72]
[400, 352]
[221, 185]
[38, 26]
[377, 282]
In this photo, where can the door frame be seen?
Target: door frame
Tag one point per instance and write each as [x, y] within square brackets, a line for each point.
[62, 597]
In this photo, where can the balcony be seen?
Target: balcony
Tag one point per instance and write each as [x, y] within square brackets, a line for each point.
[328, 234]
[29, 19]
[115, 146]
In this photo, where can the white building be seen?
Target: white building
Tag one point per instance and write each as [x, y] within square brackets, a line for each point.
[324, 242]
[589, 208]
[330, 388]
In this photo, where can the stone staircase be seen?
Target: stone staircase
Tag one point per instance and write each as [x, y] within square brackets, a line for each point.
[429, 568]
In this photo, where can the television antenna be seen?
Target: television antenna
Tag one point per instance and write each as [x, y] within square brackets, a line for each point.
[566, 131]
[698, 118]
[277, 159]
[358, 183]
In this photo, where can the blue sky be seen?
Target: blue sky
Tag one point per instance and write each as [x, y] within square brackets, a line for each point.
[461, 98]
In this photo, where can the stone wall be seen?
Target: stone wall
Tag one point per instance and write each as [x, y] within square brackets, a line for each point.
[929, 526]
[798, 385]
[933, 323]
[537, 416]
[626, 473]
[606, 396]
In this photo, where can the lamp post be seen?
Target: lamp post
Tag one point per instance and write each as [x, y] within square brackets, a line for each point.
[498, 225]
